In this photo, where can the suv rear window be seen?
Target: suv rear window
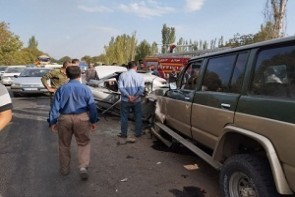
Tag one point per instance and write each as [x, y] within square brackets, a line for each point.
[275, 73]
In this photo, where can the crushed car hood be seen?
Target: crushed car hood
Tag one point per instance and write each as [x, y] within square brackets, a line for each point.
[103, 71]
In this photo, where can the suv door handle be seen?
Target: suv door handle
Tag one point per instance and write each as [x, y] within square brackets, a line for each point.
[225, 106]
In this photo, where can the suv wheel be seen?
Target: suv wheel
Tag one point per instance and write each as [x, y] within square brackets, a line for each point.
[247, 175]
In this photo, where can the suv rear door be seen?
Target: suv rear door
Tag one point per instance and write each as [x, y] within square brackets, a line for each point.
[215, 103]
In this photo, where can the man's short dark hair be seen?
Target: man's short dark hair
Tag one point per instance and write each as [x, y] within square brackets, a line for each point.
[75, 61]
[132, 64]
[66, 63]
[73, 72]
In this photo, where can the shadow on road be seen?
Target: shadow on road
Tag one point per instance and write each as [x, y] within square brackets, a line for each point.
[189, 191]
[175, 148]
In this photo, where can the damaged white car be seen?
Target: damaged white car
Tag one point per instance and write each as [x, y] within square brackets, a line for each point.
[108, 97]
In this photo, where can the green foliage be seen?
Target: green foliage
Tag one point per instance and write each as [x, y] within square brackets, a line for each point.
[63, 59]
[265, 33]
[240, 40]
[168, 37]
[10, 45]
[87, 59]
[33, 44]
[143, 50]
[32, 55]
[98, 59]
[120, 49]
[154, 48]
[12, 51]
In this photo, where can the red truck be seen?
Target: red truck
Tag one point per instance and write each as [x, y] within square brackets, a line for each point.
[165, 64]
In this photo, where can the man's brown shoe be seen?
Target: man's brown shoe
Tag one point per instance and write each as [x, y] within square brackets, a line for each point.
[83, 174]
[64, 171]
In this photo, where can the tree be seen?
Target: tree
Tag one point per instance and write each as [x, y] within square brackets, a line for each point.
[33, 44]
[181, 41]
[240, 40]
[276, 15]
[220, 42]
[142, 50]
[213, 43]
[10, 45]
[195, 46]
[87, 59]
[265, 33]
[98, 59]
[63, 59]
[121, 49]
[154, 48]
[32, 52]
[168, 37]
[205, 45]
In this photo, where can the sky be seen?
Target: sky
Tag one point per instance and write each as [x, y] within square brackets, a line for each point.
[77, 28]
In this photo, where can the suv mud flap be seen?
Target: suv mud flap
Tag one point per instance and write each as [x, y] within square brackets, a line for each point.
[186, 143]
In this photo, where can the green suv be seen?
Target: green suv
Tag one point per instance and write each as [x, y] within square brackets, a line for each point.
[236, 110]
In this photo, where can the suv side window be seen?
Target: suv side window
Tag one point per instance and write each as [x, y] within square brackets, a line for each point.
[218, 73]
[239, 72]
[190, 75]
[275, 73]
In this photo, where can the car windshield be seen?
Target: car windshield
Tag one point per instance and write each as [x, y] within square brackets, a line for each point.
[3, 68]
[34, 72]
[15, 70]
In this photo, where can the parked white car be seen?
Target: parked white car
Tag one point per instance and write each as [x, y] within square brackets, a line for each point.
[2, 69]
[7, 76]
[29, 82]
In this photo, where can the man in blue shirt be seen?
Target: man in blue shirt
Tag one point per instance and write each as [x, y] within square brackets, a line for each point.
[131, 86]
[73, 112]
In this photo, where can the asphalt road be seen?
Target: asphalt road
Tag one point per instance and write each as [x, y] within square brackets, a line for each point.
[146, 168]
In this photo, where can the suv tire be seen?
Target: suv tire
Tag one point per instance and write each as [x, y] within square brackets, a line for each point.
[247, 175]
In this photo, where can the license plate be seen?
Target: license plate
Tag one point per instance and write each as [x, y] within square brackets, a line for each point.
[30, 89]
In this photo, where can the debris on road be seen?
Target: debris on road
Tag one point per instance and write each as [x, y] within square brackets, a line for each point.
[124, 180]
[191, 167]
[130, 140]
[125, 141]
[184, 175]
[129, 157]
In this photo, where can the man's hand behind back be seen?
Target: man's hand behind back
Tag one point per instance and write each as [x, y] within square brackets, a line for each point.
[132, 98]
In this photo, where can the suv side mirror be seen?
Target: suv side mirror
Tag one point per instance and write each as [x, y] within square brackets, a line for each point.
[172, 85]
